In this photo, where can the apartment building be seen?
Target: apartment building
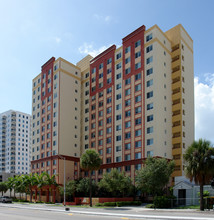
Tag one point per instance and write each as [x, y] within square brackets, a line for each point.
[15, 143]
[128, 103]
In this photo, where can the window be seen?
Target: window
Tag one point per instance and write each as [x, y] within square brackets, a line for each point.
[149, 106]
[109, 70]
[118, 117]
[137, 76]
[118, 76]
[128, 49]
[137, 133]
[128, 146]
[128, 102]
[137, 155]
[137, 144]
[109, 60]
[100, 142]
[127, 135]
[149, 94]
[149, 71]
[128, 113]
[100, 152]
[108, 100]
[109, 90]
[100, 75]
[149, 60]
[118, 96]
[100, 132]
[94, 70]
[128, 70]
[149, 141]
[128, 81]
[138, 54]
[137, 110]
[138, 98]
[118, 86]
[149, 48]
[119, 106]
[137, 43]
[149, 83]
[128, 92]
[101, 66]
[150, 153]
[118, 56]
[149, 37]
[127, 60]
[100, 94]
[100, 113]
[137, 166]
[118, 138]
[149, 130]
[118, 159]
[138, 121]
[108, 80]
[118, 148]
[118, 66]
[138, 65]
[128, 168]
[118, 127]
[108, 130]
[108, 120]
[149, 118]
[108, 140]
[138, 87]
[128, 124]
[100, 123]
[127, 157]
[108, 110]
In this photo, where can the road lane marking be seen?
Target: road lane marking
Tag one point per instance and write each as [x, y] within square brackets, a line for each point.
[70, 214]
[124, 218]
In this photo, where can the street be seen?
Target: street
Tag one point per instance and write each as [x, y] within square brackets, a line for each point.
[53, 212]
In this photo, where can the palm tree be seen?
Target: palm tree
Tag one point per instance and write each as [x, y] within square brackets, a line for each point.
[200, 157]
[89, 161]
[28, 182]
[11, 184]
[18, 185]
[49, 181]
[3, 187]
[40, 183]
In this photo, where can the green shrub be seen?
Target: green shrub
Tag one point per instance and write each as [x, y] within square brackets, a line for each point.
[109, 203]
[163, 201]
[128, 203]
[99, 204]
[150, 206]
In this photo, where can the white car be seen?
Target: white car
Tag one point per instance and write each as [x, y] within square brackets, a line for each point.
[5, 199]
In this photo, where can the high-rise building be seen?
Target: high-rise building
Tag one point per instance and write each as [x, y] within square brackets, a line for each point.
[15, 142]
[128, 103]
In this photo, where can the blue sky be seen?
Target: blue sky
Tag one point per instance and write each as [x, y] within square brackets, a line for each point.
[34, 31]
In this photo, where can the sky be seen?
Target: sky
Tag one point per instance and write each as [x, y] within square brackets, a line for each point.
[34, 31]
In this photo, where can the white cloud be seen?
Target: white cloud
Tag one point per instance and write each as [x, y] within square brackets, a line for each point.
[106, 19]
[204, 107]
[57, 39]
[89, 49]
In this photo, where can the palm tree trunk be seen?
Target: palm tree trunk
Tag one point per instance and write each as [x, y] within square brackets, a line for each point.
[10, 192]
[40, 193]
[30, 195]
[90, 189]
[201, 197]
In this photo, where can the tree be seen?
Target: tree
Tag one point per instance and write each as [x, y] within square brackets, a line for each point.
[199, 158]
[154, 176]
[83, 187]
[116, 183]
[70, 188]
[89, 161]
[11, 184]
[28, 182]
[18, 185]
[3, 187]
[40, 183]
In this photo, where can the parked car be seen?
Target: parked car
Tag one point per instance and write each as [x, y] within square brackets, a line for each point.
[5, 199]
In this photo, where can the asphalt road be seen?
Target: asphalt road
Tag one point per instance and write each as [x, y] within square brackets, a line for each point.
[27, 214]
[45, 212]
